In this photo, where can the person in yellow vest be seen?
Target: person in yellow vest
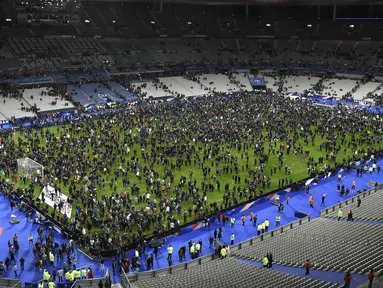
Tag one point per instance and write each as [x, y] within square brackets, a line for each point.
[197, 248]
[51, 284]
[170, 252]
[223, 253]
[267, 223]
[259, 229]
[263, 227]
[83, 273]
[374, 167]
[278, 221]
[136, 253]
[340, 214]
[67, 276]
[232, 239]
[46, 275]
[52, 259]
[41, 284]
[73, 276]
[265, 262]
[78, 274]
[232, 221]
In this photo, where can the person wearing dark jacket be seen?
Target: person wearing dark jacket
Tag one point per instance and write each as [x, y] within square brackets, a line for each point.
[270, 258]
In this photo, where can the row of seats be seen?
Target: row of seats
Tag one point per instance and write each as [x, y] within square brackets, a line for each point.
[36, 53]
[231, 272]
[142, 20]
[330, 244]
[369, 210]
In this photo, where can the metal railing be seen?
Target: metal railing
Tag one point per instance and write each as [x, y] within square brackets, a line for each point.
[210, 257]
[10, 283]
[90, 282]
[124, 280]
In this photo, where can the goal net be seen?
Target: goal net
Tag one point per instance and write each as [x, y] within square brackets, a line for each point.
[29, 167]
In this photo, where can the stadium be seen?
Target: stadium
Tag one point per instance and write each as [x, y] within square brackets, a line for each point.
[191, 143]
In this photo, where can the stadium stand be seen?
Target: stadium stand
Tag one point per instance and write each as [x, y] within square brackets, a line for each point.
[370, 210]
[121, 91]
[100, 94]
[80, 97]
[151, 89]
[217, 83]
[176, 51]
[231, 273]
[15, 108]
[300, 83]
[323, 240]
[36, 53]
[46, 100]
[365, 90]
[337, 87]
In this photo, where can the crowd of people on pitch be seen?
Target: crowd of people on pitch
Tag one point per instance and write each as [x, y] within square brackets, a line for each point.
[135, 156]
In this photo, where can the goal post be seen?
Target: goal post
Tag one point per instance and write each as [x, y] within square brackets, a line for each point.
[29, 167]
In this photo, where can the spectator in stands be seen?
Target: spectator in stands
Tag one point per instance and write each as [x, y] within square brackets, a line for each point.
[349, 216]
[270, 258]
[265, 262]
[358, 201]
[340, 214]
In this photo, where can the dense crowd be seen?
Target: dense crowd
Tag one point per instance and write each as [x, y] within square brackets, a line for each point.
[120, 163]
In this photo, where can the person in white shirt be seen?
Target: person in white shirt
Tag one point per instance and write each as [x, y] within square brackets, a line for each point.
[30, 240]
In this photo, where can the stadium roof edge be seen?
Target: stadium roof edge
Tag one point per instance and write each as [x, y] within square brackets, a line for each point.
[253, 2]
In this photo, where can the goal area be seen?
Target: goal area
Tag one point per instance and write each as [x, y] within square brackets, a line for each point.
[29, 167]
